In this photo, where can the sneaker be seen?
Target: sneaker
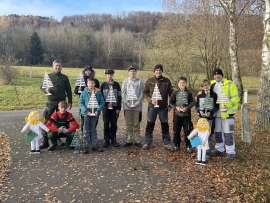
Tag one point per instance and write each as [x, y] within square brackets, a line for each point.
[146, 146]
[169, 146]
[52, 147]
[37, 152]
[127, 144]
[71, 147]
[85, 152]
[203, 163]
[140, 145]
[98, 149]
[106, 144]
[229, 157]
[198, 162]
[217, 153]
[115, 144]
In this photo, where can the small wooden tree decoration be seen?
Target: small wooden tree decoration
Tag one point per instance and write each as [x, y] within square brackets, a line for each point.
[92, 104]
[207, 103]
[111, 97]
[182, 98]
[156, 95]
[222, 99]
[80, 82]
[131, 94]
[47, 83]
[76, 142]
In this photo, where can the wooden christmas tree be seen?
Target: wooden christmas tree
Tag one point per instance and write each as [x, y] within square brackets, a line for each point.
[182, 99]
[80, 82]
[76, 142]
[92, 104]
[156, 95]
[222, 99]
[207, 103]
[110, 97]
[131, 94]
[47, 83]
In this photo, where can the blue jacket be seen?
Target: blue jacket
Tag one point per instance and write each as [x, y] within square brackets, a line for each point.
[84, 99]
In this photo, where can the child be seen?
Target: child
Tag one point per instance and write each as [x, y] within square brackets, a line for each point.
[89, 120]
[203, 131]
[132, 94]
[182, 101]
[111, 91]
[59, 125]
[210, 113]
[33, 122]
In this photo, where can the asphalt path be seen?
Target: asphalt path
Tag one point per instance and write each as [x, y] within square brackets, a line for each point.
[116, 175]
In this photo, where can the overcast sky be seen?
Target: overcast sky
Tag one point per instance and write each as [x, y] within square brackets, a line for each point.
[60, 8]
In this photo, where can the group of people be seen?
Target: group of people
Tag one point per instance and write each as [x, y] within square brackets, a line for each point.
[132, 93]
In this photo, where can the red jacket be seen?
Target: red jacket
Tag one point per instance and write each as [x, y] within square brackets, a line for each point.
[72, 123]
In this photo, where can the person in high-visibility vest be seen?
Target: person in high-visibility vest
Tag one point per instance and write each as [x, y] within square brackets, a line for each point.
[228, 98]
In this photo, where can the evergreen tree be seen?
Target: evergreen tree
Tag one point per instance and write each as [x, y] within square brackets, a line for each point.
[36, 50]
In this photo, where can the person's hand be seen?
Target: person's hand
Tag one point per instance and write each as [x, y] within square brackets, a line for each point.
[201, 113]
[80, 88]
[199, 93]
[88, 113]
[178, 108]
[154, 102]
[117, 111]
[96, 113]
[65, 130]
[69, 106]
[184, 109]
[169, 108]
[132, 106]
[48, 90]
[110, 105]
[60, 130]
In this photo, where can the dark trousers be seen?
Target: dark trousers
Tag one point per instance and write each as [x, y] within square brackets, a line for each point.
[179, 123]
[110, 124]
[53, 136]
[163, 117]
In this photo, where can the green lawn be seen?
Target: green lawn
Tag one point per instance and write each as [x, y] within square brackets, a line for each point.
[30, 97]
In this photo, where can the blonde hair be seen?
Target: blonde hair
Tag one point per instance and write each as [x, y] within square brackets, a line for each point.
[63, 104]
[203, 83]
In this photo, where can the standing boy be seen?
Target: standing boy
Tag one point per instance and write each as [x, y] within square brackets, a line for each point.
[165, 87]
[61, 124]
[224, 122]
[132, 94]
[90, 120]
[111, 110]
[182, 101]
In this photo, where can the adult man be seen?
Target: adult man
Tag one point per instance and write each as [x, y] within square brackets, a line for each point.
[166, 89]
[88, 72]
[224, 121]
[132, 94]
[60, 90]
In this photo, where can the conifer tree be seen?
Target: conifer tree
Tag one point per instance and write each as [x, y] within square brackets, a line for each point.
[36, 49]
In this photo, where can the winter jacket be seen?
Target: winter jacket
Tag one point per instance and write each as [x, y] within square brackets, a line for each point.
[61, 87]
[84, 99]
[164, 86]
[231, 92]
[200, 99]
[105, 88]
[175, 100]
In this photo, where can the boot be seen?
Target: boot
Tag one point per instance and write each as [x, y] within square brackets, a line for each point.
[85, 148]
[45, 143]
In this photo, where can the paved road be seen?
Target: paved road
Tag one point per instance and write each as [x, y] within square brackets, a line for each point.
[116, 175]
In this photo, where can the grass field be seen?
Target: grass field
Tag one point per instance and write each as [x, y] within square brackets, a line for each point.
[26, 94]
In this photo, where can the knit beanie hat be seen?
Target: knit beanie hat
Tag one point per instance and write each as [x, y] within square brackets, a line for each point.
[88, 68]
[218, 71]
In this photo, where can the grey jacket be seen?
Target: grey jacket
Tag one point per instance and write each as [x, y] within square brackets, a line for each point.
[138, 87]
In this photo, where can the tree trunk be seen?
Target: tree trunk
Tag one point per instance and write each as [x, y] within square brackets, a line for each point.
[236, 77]
[262, 121]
